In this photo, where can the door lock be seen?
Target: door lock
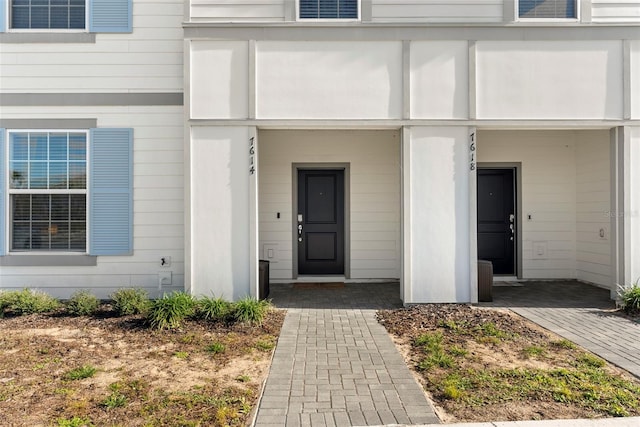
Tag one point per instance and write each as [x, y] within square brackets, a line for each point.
[299, 232]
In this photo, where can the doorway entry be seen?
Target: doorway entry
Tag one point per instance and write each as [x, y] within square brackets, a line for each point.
[497, 219]
[320, 224]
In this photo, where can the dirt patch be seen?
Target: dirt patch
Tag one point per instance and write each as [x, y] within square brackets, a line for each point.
[481, 365]
[202, 374]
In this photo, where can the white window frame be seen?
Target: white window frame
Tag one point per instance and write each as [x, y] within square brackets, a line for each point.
[565, 20]
[9, 191]
[10, 29]
[358, 19]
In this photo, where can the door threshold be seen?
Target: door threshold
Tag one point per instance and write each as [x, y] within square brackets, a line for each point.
[320, 279]
[505, 278]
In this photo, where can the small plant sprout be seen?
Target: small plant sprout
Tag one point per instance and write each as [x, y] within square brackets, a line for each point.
[181, 355]
[215, 348]
[114, 400]
[243, 378]
[80, 373]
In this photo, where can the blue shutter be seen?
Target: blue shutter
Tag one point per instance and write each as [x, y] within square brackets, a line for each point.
[3, 16]
[110, 16]
[3, 225]
[111, 192]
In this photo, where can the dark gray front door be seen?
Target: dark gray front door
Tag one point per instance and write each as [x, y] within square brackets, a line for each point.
[497, 219]
[320, 224]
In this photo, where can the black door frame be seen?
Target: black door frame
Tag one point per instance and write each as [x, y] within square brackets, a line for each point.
[517, 188]
[294, 212]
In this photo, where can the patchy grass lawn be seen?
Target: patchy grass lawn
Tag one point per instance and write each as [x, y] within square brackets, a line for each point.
[488, 365]
[105, 370]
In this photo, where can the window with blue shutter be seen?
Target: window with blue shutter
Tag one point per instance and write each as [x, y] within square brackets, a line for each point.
[48, 197]
[104, 16]
[111, 192]
[328, 9]
[547, 9]
[2, 196]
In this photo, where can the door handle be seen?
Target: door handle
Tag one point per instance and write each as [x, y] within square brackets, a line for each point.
[299, 232]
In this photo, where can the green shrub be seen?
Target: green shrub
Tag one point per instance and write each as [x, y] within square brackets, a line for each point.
[27, 301]
[630, 298]
[249, 310]
[216, 309]
[82, 303]
[171, 310]
[130, 301]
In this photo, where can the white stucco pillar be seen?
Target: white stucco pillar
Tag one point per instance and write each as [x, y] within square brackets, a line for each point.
[625, 207]
[632, 213]
[436, 215]
[219, 212]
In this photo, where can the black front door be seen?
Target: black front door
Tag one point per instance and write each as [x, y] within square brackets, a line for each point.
[320, 221]
[497, 219]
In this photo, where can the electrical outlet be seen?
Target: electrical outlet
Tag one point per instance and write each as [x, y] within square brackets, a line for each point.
[164, 279]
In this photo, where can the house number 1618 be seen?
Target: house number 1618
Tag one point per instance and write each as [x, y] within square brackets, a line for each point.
[472, 151]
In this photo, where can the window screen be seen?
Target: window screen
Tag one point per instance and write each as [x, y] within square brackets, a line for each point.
[48, 14]
[548, 9]
[328, 9]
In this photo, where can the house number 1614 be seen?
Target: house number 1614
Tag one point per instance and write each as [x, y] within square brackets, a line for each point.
[252, 154]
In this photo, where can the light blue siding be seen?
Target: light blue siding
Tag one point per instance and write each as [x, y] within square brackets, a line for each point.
[111, 192]
[110, 16]
[3, 225]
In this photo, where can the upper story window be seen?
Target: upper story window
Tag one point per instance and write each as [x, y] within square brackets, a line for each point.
[48, 14]
[328, 9]
[547, 9]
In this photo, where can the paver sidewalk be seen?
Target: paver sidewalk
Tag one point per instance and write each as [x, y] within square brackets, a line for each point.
[339, 367]
[580, 313]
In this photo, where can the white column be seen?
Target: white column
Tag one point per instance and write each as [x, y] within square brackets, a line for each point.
[437, 252]
[625, 207]
[632, 213]
[219, 236]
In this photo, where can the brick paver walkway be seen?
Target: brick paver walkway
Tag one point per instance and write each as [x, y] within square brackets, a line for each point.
[335, 365]
[580, 313]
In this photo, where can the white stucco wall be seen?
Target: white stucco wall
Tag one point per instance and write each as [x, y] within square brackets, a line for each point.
[219, 79]
[158, 206]
[373, 196]
[439, 79]
[437, 215]
[329, 80]
[549, 80]
[219, 212]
